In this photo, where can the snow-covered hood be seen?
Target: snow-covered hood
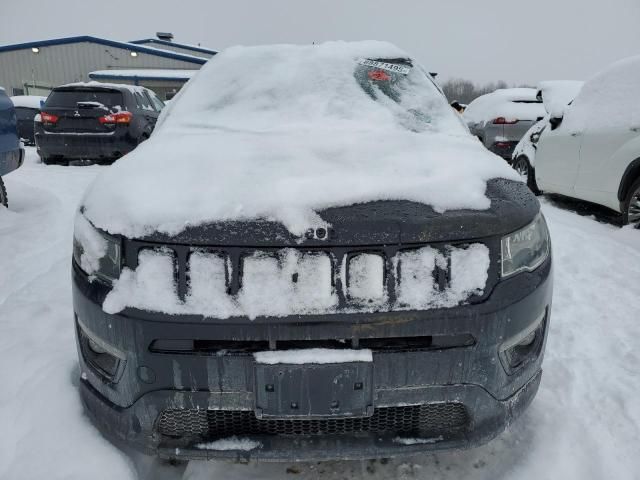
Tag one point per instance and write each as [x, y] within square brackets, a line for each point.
[281, 133]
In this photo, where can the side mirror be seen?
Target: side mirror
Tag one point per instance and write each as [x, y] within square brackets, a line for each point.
[555, 122]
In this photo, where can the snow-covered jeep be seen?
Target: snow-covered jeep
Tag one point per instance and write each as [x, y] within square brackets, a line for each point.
[312, 258]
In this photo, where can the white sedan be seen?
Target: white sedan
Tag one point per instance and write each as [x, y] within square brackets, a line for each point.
[591, 150]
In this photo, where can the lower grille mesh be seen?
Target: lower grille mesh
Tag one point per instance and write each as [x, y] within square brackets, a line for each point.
[415, 419]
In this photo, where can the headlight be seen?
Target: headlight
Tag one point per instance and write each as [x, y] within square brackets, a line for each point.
[526, 249]
[94, 251]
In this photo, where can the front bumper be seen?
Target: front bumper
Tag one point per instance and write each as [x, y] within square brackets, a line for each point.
[85, 145]
[127, 410]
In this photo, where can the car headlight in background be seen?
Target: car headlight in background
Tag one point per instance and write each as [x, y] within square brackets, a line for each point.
[96, 253]
[527, 248]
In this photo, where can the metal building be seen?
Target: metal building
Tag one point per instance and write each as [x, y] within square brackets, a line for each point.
[34, 68]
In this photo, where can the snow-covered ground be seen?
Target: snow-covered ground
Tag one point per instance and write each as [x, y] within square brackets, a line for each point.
[584, 424]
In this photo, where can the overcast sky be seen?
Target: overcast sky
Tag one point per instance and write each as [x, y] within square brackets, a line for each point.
[483, 40]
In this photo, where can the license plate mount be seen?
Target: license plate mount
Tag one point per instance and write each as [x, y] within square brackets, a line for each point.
[286, 391]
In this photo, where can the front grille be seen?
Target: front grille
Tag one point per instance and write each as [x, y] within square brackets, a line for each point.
[428, 419]
[337, 277]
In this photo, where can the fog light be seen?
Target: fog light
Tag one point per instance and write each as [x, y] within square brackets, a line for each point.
[103, 358]
[523, 347]
[95, 348]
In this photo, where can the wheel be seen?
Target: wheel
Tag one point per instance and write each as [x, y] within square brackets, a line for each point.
[3, 194]
[527, 172]
[631, 207]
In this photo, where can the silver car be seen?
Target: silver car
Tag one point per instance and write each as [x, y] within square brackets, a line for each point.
[501, 118]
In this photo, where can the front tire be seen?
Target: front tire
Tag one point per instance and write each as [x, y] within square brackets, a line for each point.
[631, 206]
[527, 172]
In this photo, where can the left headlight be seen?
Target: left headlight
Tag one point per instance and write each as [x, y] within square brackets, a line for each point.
[527, 248]
[95, 252]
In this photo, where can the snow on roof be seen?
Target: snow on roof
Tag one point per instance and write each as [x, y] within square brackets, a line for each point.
[557, 94]
[610, 99]
[93, 84]
[28, 101]
[145, 73]
[195, 48]
[506, 103]
[282, 132]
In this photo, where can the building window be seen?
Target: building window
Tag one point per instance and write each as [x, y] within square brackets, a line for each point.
[17, 91]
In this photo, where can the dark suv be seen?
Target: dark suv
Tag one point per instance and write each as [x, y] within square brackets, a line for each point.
[11, 153]
[95, 121]
[313, 279]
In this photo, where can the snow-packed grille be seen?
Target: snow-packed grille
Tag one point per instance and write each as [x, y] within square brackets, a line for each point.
[428, 419]
[239, 281]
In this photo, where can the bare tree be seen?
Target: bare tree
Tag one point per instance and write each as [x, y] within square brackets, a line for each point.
[465, 91]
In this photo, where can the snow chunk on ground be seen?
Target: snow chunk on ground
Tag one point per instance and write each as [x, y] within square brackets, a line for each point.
[231, 443]
[283, 132]
[313, 355]
[510, 103]
[417, 441]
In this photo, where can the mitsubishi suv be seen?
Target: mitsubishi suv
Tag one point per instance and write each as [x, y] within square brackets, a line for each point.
[94, 121]
[311, 259]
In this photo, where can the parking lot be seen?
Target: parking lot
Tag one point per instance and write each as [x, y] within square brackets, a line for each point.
[584, 423]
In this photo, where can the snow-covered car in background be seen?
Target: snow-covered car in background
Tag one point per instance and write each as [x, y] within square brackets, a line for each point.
[310, 259]
[96, 121]
[27, 107]
[591, 150]
[555, 95]
[11, 153]
[501, 118]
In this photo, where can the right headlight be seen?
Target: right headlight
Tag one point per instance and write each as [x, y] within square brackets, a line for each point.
[527, 248]
[97, 253]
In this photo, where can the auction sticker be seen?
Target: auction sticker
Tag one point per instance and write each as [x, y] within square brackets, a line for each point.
[391, 67]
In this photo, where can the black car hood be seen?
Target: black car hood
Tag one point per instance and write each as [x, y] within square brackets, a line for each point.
[378, 223]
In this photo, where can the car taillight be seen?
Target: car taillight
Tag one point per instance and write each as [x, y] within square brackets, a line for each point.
[48, 118]
[505, 121]
[120, 117]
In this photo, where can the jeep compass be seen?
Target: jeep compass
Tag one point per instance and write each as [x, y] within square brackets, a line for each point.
[311, 259]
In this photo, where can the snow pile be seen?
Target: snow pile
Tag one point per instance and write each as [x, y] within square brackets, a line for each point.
[28, 101]
[231, 443]
[313, 355]
[282, 132]
[291, 284]
[418, 288]
[557, 94]
[608, 100]
[510, 103]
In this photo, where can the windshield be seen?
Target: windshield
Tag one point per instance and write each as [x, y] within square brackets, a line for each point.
[70, 98]
[401, 87]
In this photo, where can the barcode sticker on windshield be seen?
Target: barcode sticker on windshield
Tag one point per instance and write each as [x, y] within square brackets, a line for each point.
[391, 67]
